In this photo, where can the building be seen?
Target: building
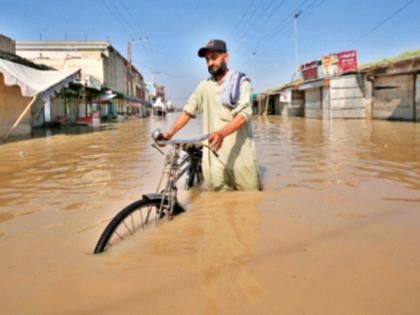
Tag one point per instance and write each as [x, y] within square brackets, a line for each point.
[395, 88]
[109, 84]
[389, 89]
[284, 100]
[155, 90]
[24, 89]
[346, 96]
[7, 44]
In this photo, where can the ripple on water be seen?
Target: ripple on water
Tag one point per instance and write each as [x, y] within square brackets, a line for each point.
[6, 216]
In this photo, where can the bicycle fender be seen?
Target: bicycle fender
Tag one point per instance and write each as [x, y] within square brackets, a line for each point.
[157, 196]
[153, 196]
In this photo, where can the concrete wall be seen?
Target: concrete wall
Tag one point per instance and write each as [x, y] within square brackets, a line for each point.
[326, 103]
[296, 107]
[115, 72]
[368, 97]
[58, 107]
[72, 108]
[393, 97]
[347, 97]
[37, 113]
[313, 103]
[7, 44]
[106, 67]
[12, 104]
[90, 62]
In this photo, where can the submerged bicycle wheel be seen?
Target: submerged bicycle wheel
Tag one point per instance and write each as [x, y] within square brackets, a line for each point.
[131, 220]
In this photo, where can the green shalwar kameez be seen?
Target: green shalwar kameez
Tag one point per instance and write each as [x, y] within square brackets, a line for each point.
[236, 168]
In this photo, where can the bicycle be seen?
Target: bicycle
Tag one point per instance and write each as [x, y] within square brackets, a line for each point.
[156, 206]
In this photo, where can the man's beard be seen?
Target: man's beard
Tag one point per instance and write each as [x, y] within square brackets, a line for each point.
[215, 72]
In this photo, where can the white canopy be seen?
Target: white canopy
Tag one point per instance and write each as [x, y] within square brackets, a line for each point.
[159, 104]
[104, 98]
[33, 82]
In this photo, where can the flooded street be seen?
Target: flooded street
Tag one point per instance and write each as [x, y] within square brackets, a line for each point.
[335, 231]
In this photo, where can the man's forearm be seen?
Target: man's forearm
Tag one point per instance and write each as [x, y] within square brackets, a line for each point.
[180, 122]
[233, 126]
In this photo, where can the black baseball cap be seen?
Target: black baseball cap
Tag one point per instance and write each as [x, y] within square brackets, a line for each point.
[212, 45]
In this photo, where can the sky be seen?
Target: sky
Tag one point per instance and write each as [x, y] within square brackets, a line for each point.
[259, 33]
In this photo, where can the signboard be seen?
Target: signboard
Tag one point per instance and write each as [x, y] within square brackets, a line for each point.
[325, 65]
[310, 70]
[347, 61]
[330, 65]
[286, 96]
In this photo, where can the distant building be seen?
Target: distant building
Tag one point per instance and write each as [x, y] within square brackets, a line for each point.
[388, 89]
[155, 91]
[24, 89]
[395, 88]
[7, 44]
[110, 84]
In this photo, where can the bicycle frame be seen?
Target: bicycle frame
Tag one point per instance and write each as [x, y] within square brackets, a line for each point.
[174, 168]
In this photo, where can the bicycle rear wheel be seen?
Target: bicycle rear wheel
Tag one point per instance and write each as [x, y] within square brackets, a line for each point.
[132, 219]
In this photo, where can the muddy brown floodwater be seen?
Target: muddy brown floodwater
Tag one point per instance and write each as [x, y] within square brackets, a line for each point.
[335, 231]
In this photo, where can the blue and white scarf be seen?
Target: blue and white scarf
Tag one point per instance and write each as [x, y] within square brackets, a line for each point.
[232, 88]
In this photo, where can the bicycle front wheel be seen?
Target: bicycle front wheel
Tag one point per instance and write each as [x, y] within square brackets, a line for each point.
[129, 221]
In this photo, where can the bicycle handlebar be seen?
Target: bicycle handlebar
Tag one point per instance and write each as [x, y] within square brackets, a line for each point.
[158, 139]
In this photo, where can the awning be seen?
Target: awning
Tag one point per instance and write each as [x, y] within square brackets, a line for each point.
[34, 82]
[133, 99]
[312, 84]
[105, 98]
[90, 82]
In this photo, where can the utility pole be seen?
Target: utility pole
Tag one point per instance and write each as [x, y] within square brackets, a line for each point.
[129, 67]
[253, 69]
[295, 19]
[130, 61]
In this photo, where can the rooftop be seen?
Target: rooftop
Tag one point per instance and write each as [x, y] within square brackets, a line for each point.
[407, 62]
[17, 59]
[63, 45]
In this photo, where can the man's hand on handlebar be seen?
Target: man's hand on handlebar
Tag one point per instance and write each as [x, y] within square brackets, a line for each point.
[215, 140]
[167, 135]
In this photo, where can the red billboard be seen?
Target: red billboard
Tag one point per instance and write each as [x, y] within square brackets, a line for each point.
[310, 70]
[330, 65]
[347, 61]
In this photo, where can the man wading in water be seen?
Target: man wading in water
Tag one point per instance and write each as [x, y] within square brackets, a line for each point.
[225, 102]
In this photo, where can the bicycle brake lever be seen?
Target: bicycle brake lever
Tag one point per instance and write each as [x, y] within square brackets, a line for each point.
[214, 152]
[157, 148]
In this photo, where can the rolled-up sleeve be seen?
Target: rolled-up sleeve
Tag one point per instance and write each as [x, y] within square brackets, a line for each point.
[244, 106]
[194, 105]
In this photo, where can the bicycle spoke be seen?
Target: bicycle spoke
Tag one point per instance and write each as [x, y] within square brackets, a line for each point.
[141, 217]
[126, 226]
[118, 234]
[132, 222]
[148, 214]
